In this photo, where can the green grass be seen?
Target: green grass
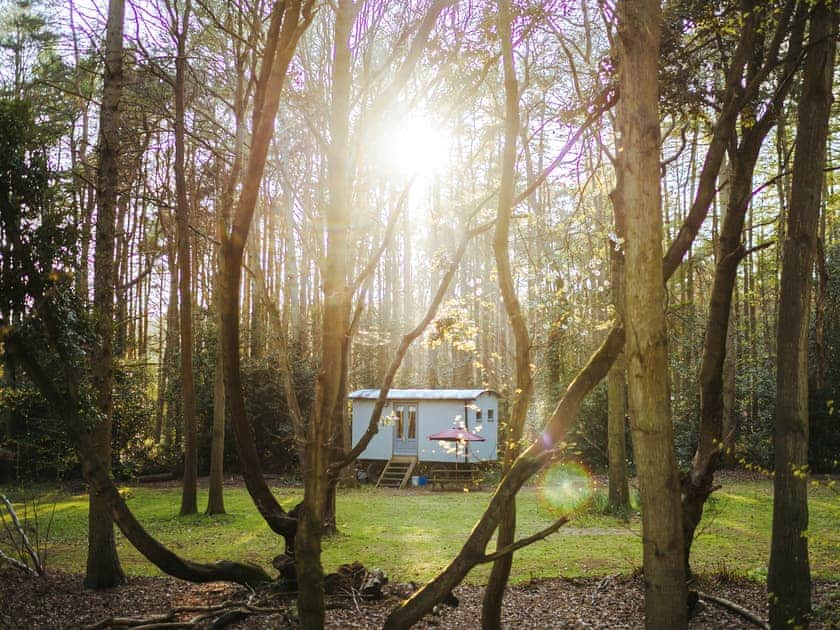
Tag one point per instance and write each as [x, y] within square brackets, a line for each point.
[412, 535]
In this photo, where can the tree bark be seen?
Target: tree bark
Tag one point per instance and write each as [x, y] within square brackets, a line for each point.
[789, 576]
[647, 349]
[103, 565]
[215, 499]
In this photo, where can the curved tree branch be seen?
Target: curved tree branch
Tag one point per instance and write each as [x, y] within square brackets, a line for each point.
[96, 474]
[524, 542]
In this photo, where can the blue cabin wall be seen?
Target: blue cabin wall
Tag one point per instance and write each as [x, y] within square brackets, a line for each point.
[482, 418]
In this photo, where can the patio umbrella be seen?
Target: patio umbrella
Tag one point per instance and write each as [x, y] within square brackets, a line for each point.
[457, 435]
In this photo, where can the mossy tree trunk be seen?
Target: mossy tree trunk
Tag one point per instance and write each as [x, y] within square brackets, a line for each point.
[647, 349]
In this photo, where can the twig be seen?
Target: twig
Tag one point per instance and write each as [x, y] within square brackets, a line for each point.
[732, 606]
[23, 537]
[10, 534]
[18, 564]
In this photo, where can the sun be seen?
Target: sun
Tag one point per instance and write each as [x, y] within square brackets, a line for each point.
[413, 146]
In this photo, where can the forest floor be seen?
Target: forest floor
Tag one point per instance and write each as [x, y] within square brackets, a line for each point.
[58, 600]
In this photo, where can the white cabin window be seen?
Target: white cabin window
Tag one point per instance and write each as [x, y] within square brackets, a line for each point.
[490, 415]
[478, 415]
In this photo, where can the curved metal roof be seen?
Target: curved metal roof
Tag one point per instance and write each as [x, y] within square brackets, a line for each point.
[422, 394]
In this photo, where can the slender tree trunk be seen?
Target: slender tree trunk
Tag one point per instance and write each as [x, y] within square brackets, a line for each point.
[619, 491]
[647, 349]
[494, 593]
[820, 313]
[789, 577]
[215, 499]
[730, 365]
[168, 406]
[329, 392]
[287, 23]
[189, 502]
[698, 483]
[103, 565]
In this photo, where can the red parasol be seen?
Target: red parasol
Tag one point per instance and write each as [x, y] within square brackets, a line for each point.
[457, 435]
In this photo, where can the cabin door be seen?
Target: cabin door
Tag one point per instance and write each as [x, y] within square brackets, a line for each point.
[405, 429]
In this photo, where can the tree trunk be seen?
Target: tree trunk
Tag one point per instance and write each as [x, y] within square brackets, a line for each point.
[789, 576]
[647, 350]
[287, 24]
[168, 405]
[189, 501]
[103, 565]
[730, 366]
[329, 390]
[215, 499]
[698, 483]
[619, 491]
[494, 593]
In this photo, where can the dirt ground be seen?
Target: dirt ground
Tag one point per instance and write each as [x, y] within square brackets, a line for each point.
[58, 600]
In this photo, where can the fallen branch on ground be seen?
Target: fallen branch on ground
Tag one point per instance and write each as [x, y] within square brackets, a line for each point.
[345, 588]
[169, 619]
[739, 610]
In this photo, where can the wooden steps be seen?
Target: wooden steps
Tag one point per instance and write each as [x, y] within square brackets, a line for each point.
[397, 472]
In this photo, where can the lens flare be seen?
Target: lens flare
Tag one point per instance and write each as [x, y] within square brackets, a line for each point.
[565, 487]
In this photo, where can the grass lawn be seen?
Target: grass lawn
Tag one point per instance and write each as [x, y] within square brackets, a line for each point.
[412, 534]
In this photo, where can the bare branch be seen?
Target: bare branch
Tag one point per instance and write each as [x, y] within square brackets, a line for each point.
[407, 340]
[27, 546]
[524, 542]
